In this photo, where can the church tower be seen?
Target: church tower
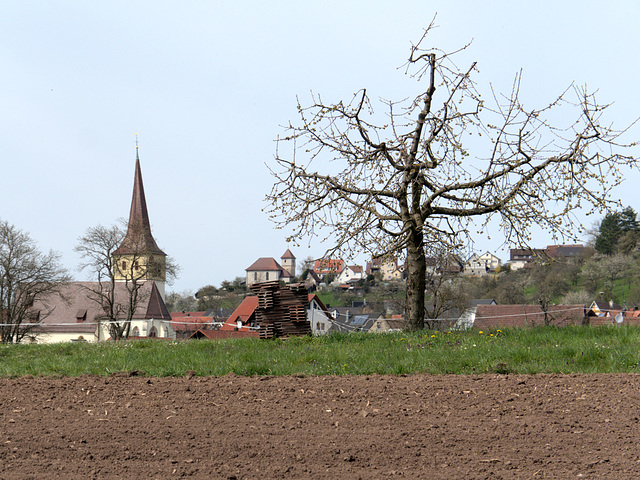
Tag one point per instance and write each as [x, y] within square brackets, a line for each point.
[289, 262]
[138, 257]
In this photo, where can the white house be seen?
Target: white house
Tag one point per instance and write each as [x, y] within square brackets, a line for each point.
[481, 264]
[349, 273]
[267, 269]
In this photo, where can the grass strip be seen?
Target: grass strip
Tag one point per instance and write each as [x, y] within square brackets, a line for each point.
[601, 349]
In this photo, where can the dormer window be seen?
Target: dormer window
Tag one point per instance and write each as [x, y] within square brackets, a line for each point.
[81, 315]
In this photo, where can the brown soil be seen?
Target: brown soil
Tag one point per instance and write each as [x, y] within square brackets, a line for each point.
[417, 426]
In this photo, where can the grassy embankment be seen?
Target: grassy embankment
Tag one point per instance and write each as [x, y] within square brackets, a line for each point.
[541, 350]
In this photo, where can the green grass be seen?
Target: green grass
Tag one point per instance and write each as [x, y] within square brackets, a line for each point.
[541, 350]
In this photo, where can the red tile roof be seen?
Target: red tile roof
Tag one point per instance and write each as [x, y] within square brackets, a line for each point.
[312, 297]
[175, 315]
[264, 264]
[221, 334]
[190, 324]
[492, 316]
[288, 254]
[328, 266]
[245, 311]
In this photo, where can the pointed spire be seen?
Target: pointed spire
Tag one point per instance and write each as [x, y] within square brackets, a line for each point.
[156, 308]
[138, 238]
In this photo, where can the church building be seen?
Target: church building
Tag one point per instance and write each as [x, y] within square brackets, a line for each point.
[77, 315]
[139, 257]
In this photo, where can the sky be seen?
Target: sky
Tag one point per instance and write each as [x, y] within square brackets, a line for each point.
[208, 85]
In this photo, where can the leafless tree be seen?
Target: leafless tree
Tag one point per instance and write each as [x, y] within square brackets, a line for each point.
[409, 183]
[26, 276]
[119, 286]
[184, 301]
[550, 283]
[446, 299]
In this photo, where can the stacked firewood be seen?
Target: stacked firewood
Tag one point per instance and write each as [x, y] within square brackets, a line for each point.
[282, 310]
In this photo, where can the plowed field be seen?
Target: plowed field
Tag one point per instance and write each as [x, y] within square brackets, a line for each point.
[416, 426]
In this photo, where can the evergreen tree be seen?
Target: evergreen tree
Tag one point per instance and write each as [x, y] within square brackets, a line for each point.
[613, 227]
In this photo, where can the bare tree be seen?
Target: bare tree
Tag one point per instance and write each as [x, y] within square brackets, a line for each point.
[184, 301]
[119, 286]
[550, 284]
[408, 183]
[26, 276]
[446, 295]
[305, 266]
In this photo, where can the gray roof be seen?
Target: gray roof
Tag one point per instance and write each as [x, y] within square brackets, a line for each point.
[75, 311]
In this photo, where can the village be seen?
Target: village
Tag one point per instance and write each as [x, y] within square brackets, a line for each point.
[77, 312]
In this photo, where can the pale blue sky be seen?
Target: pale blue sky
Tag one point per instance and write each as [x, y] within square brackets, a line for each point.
[207, 84]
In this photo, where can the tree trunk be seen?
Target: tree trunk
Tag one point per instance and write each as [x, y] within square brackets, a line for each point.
[416, 278]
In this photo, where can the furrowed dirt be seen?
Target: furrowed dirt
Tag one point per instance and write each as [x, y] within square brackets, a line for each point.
[369, 427]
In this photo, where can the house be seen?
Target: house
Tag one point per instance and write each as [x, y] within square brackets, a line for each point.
[318, 316]
[357, 318]
[388, 267]
[604, 309]
[324, 267]
[350, 273]
[312, 280]
[451, 264]
[602, 313]
[466, 318]
[78, 313]
[76, 316]
[565, 251]
[266, 269]
[522, 257]
[497, 316]
[352, 287]
[481, 264]
[387, 325]
[186, 323]
[243, 318]
[526, 257]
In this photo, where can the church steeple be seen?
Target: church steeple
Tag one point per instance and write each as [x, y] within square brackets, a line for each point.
[138, 256]
[139, 238]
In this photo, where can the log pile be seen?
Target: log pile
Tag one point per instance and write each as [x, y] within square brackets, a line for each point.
[282, 310]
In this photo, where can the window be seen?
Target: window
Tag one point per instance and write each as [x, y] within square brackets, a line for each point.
[153, 333]
[81, 315]
[124, 265]
[136, 332]
[267, 275]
